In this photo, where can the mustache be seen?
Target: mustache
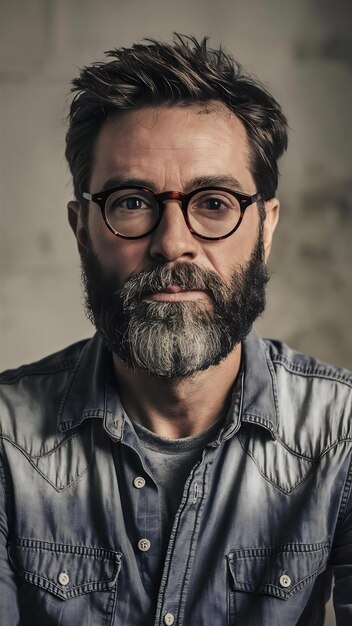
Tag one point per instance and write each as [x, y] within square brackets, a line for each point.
[158, 278]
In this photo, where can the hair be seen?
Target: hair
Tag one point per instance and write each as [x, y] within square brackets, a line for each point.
[180, 73]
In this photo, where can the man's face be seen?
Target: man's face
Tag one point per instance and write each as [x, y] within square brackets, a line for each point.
[174, 148]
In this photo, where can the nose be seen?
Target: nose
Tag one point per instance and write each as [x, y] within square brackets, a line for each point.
[172, 240]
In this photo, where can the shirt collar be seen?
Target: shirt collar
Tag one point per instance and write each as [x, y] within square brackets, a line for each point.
[91, 391]
[259, 404]
[254, 393]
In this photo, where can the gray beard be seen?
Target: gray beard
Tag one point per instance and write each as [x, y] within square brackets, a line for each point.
[174, 340]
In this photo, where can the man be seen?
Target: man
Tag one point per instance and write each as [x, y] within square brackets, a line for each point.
[175, 469]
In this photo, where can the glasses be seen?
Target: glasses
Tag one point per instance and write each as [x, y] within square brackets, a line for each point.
[135, 212]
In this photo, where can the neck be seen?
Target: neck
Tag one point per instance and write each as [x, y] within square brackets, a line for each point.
[182, 407]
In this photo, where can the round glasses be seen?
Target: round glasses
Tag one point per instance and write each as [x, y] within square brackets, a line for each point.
[209, 212]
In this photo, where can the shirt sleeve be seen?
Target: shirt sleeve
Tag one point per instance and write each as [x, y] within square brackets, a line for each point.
[341, 560]
[9, 611]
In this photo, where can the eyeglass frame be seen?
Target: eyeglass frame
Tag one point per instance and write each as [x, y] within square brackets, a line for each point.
[100, 198]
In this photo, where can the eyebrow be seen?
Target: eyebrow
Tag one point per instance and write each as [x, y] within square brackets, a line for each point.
[117, 181]
[220, 180]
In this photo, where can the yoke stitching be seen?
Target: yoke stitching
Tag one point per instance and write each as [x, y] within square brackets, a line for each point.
[289, 366]
[300, 481]
[26, 371]
[36, 468]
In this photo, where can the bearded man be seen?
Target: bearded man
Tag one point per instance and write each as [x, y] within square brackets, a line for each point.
[175, 468]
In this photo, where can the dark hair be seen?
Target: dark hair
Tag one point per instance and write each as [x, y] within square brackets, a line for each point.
[183, 72]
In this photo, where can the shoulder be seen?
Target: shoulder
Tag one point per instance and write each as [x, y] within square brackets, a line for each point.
[31, 395]
[316, 396]
[303, 365]
[55, 363]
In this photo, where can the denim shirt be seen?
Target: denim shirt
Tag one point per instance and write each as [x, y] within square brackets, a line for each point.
[264, 521]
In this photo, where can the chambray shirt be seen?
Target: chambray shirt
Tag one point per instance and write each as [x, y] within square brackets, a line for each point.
[265, 516]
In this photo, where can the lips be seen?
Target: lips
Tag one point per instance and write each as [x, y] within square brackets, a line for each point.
[175, 289]
[172, 291]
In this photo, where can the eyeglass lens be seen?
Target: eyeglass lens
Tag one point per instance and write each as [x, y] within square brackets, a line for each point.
[133, 212]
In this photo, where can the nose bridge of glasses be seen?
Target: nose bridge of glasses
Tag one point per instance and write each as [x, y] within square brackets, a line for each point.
[173, 196]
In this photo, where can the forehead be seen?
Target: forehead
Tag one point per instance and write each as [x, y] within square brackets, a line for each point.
[173, 144]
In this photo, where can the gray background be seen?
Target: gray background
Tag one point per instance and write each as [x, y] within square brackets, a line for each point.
[301, 50]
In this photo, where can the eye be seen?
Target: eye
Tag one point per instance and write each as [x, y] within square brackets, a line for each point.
[212, 203]
[128, 203]
[133, 203]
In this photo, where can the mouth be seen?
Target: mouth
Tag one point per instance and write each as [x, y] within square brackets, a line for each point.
[175, 293]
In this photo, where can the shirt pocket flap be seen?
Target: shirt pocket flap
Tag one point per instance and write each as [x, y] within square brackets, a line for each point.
[280, 571]
[65, 570]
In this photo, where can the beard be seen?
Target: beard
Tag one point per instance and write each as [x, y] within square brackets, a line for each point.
[173, 340]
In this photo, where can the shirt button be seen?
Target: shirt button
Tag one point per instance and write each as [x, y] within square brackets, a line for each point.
[139, 482]
[285, 581]
[144, 545]
[64, 579]
[169, 619]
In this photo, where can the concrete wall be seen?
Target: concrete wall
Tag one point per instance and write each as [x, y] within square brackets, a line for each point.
[302, 50]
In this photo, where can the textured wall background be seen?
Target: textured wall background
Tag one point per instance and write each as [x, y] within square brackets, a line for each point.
[302, 50]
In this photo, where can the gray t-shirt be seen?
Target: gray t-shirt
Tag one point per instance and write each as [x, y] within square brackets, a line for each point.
[170, 462]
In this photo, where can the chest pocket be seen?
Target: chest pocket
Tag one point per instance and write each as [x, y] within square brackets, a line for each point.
[58, 582]
[273, 574]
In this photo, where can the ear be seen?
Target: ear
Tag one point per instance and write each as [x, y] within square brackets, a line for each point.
[75, 220]
[272, 209]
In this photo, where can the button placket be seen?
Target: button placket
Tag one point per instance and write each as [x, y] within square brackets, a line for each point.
[182, 541]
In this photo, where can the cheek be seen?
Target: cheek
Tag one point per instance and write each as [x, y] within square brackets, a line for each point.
[224, 256]
[123, 256]
[130, 257]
